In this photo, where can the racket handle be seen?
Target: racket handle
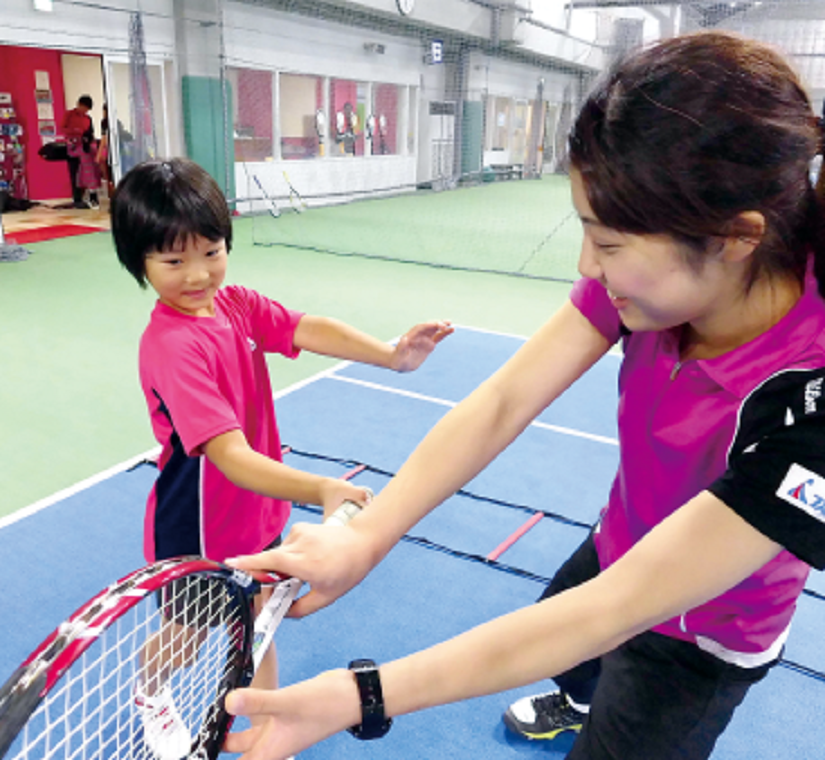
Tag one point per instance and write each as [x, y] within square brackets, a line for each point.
[287, 589]
[345, 512]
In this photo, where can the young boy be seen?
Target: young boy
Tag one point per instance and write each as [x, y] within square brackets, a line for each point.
[222, 488]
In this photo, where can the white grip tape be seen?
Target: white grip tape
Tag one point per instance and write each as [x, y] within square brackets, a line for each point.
[285, 592]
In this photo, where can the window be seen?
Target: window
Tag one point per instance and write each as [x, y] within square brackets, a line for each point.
[301, 116]
[498, 124]
[412, 116]
[518, 147]
[252, 113]
[347, 105]
[386, 120]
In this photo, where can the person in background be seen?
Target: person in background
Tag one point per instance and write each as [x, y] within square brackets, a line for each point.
[104, 153]
[79, 133]
[703, 255]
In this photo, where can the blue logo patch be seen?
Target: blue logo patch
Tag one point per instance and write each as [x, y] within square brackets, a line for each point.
[805, 490]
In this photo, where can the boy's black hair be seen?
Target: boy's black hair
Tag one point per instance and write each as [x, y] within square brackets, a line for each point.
[85, 100]
[162, 203]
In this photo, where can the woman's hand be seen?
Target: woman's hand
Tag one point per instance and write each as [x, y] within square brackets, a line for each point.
[331, 559]
[297, 716]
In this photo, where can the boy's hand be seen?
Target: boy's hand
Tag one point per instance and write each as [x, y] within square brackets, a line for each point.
[418, 343]
[335, 492]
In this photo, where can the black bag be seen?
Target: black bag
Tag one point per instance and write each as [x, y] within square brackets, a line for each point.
[54, 151]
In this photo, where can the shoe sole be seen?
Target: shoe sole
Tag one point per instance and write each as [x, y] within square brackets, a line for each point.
[548, 736]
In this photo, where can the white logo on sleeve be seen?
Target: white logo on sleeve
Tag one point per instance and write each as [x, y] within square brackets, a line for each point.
[813, 390]
[805, 490]
[252, 344]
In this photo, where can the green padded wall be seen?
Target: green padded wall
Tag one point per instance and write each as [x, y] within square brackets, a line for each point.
[203, 122]
[472, 137]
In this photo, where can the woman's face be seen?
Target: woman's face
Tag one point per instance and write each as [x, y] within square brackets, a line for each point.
[649, 280]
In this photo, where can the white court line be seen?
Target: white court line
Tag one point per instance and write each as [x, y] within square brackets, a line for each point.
[485, 331]
[327, 373]
[82, 485]
[614, 350]
[445, 402]
[77, 488]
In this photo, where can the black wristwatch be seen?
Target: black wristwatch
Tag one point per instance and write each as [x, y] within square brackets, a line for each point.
[374, 723]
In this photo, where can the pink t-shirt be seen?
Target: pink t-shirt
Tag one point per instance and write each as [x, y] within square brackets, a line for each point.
[203, 376]
[737, 425]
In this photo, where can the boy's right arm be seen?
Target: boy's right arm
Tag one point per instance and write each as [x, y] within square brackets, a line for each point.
[239, 462]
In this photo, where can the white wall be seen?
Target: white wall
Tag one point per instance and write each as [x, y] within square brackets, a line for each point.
[263, 38]
[255, 37]
[91, 29]
[83, 75]
[494, 76]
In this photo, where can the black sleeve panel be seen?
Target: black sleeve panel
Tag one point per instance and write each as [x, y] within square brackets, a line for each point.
[776, 466]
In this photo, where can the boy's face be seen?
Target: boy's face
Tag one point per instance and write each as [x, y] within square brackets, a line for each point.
[188, 277]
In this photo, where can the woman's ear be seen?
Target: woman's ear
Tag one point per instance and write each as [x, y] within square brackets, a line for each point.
[745, 234]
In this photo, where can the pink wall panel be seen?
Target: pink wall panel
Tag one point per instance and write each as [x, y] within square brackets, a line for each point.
[17, 66]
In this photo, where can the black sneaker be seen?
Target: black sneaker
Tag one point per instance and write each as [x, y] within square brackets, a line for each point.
[544, 716]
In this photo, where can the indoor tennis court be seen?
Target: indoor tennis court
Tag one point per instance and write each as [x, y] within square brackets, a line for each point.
[449, 574]
[389, 162]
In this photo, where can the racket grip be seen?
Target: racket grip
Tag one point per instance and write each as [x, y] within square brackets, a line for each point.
[345, 512]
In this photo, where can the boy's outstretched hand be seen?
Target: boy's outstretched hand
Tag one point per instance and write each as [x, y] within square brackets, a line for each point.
[417, 344]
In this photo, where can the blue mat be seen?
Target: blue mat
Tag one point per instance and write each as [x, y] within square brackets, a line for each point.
[422, 593]
[364, 425]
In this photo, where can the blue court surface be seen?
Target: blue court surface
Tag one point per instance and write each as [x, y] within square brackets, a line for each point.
[451, 573]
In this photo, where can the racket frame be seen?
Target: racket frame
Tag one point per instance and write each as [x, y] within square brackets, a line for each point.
[23, 692]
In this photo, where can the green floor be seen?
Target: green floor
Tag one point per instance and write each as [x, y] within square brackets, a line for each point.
[70, 402]
[525, 227]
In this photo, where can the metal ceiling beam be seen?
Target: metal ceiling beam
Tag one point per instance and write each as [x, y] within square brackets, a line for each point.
[710, 13]
[576, 5]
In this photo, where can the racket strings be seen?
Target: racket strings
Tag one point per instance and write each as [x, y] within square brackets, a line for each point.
[193, 634]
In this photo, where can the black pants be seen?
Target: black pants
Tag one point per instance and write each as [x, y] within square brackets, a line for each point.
[74, 168]
[652, 698]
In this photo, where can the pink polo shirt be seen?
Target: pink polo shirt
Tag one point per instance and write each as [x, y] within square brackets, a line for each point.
[720, 424]
[203, 376]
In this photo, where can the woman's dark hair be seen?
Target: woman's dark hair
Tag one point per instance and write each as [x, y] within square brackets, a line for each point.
[162, 204]
[684, 136]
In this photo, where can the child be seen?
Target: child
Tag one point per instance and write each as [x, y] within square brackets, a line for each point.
[222, 488]
[703, 253]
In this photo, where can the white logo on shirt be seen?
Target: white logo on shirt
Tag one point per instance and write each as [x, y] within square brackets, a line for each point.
[252, 344]
[813, 390]
[805, 490]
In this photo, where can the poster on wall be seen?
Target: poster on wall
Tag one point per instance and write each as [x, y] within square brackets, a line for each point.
[45, 111]
[5, 98]
[47, 129]
[41, 80]
[43, 96]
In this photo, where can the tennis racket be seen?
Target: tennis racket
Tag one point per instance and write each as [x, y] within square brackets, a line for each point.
[142, 669]
[295, 198]
[274, 211]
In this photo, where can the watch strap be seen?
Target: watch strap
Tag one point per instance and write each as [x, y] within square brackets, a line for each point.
[374, 723]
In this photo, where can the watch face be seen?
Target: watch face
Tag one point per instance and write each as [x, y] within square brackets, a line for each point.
[405, 6]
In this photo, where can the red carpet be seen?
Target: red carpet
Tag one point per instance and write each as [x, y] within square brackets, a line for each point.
[25, 237]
